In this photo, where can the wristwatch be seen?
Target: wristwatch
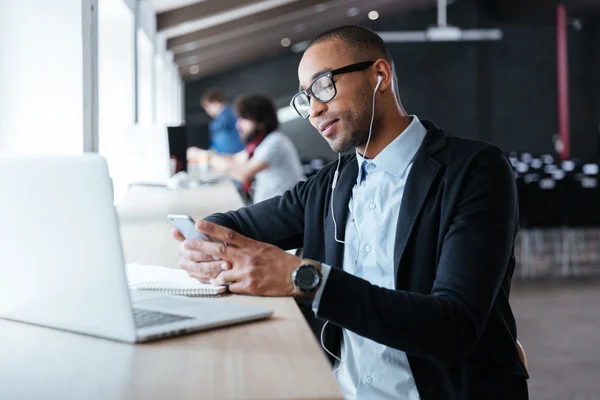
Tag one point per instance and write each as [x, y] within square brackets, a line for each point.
[306, 279]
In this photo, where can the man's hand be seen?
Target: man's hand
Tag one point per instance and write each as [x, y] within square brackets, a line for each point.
[194, 153]
[252, 267]
[198, 265]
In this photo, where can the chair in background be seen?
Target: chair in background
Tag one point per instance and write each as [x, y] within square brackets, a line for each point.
[542, 204]
[583, 218]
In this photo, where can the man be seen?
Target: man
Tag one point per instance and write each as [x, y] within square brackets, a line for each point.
[269, 157]
[417, 297]
[224, 137]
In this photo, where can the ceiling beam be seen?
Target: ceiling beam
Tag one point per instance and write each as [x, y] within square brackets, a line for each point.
[232, 46]
[272, 33]
[314, 21]
[239, 49]
[202, 9]
[224, 62]
[195, 39]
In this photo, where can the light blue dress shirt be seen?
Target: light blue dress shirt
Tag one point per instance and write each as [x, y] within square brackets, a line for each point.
[370, 370]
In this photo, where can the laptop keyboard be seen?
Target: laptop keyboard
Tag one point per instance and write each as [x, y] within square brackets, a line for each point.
[145, 318]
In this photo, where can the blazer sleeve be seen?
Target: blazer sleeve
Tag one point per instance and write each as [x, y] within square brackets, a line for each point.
[446, 324]
[278, 221]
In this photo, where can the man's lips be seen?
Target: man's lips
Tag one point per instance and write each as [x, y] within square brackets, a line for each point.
[328, 127]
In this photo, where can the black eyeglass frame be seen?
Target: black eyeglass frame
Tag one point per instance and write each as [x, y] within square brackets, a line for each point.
[360, 66]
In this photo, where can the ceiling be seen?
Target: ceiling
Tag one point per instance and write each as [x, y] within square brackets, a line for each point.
[209, 36]
[167, 5]
[212, 35]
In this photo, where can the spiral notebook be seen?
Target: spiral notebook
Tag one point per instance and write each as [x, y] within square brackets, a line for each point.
[169, 280]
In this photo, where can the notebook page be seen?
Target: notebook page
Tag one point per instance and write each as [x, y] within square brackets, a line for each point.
[140, 276]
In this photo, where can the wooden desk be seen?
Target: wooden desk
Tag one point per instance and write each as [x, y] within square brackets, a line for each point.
[278, 358]
[145, 230]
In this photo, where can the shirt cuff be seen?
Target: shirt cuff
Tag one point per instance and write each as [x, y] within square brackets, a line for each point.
[324, 274]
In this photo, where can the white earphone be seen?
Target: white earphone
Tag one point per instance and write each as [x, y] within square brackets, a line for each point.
[335, 178]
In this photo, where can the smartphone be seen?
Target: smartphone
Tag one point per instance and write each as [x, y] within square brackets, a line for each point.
[187, 226]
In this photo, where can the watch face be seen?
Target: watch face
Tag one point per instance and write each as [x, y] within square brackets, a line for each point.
[307, 277]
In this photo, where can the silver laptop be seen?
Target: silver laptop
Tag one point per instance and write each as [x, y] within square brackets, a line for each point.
[61, 261]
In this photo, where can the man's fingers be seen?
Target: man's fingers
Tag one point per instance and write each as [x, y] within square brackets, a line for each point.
[228, 277]
[220, 233]
[219, 251]
[239, 287]
[177, 235]
[204, 269]
[199, 277]
[194, 255]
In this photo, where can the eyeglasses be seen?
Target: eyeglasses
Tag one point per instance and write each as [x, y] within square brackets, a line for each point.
[323, 88]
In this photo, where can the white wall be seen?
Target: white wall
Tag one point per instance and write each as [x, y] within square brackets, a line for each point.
[45, 83]
[116, 86]
[175, 112]
[41, 76]
[160, 89]
[145, 72]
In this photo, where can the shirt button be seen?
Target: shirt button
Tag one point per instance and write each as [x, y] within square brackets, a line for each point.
[372, 206]
[368, 380]
[367, 248]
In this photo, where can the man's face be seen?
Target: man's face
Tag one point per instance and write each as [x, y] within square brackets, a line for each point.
[212, 108]
[246, 128]
[343, 121]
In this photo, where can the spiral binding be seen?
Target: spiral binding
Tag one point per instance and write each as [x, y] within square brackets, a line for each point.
[190, 292]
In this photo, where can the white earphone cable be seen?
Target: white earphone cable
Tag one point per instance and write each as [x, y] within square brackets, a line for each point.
[333, 185]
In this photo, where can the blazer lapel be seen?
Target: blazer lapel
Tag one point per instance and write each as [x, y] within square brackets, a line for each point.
[341, 199]
[423, 173]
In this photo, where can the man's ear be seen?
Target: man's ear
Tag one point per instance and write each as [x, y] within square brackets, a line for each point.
[384, 70]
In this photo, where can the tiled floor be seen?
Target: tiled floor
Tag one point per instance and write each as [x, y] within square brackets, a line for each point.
[558, 323]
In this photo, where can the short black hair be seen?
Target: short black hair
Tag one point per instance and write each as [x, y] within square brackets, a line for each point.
[257, 108]
[359, 40]
[362, 43]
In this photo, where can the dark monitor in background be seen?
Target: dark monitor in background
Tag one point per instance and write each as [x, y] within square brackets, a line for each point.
[198, 136]
[178, 146]
[183, 137]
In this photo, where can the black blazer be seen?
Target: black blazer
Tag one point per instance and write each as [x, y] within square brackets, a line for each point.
[453, 261]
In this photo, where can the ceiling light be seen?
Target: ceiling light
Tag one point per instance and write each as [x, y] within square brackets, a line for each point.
[299, 28]
[446, 33]
[352, 12]
[285, 42]
[189, 46]
[194, 69]
[373, 15]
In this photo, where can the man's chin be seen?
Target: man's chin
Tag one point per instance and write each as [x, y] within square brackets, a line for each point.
[340, 147]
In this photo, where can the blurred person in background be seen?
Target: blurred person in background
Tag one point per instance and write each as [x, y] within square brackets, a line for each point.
[269, 159]
[224, 137]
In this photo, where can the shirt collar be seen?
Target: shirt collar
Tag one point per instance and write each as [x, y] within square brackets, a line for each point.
[397, 156]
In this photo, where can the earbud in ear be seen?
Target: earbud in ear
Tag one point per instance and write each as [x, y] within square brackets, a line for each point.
[379, 80]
